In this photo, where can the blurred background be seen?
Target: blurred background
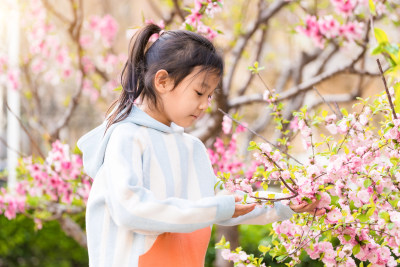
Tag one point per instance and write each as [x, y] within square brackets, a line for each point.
[59, 72]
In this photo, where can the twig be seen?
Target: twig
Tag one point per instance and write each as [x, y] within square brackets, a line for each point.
[386, 89]
[323, 99]
[242, 41]
[26, 131]
[260, 46]
[350, 128]
[338, 109]
[253, 132]
[276, 199]
[5, 144]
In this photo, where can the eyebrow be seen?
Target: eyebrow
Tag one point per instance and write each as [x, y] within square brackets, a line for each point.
[205, 85]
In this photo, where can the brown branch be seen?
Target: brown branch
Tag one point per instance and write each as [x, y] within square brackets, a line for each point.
[386, 89]
[260, 46]
[75, 31]
[72, 229]
[34, 144]
[292, 92]
[275, 199]
[241, 43]
[334, 98]
[178, 10]
[323, 99]
[12, 149]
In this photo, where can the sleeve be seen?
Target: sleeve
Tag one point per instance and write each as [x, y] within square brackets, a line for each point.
[134, 207]
[261, 215]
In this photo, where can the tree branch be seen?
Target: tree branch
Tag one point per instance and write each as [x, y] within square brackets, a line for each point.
[75, 31]
[263, 18]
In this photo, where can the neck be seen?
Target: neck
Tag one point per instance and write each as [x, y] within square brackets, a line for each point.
[153, 111]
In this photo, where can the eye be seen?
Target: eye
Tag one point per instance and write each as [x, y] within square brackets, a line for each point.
[198, 93]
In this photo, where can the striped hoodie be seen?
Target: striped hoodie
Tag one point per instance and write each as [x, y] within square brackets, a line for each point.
[153, 189]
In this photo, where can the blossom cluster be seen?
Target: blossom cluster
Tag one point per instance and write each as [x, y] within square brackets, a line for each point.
[54, 58]
[194, 19]
[357, 182]
[354, 174]
[327, 28]
[58, 178]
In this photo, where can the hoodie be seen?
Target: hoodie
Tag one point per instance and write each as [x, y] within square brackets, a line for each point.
[153, 183]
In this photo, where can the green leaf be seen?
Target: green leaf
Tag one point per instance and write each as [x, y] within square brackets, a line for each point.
[344, 112]
[377, 50]
[372, 7]
[390, 226]
[347, 237]
[397, 97]
[281, 257]
[356, 249]
[384, 215]
[380, 36]
[264, 249]
[367, 183]
[370, 212]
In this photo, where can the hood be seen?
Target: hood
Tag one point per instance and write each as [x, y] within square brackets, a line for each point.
[93, 144]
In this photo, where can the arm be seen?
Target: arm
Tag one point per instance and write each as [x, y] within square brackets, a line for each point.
[134, 207]
[261, 214]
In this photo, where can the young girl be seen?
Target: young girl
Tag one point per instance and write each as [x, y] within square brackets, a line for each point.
[152, 202]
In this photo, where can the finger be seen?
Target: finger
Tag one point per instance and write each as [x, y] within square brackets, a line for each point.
[244, 209]
[320, 212]
[238, 198]
[298, 207]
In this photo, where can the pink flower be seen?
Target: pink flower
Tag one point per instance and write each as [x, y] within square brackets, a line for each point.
[352, 30]
[334, 215]
[226, 124]
[332, 128]
[363, 195]
[328, 26]
[325, 200]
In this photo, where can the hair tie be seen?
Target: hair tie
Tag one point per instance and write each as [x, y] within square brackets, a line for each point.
[161, 33]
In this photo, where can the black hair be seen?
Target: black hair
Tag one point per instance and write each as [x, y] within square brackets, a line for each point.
[178, 52]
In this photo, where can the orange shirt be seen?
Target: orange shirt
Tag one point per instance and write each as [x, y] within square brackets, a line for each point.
[178, 250]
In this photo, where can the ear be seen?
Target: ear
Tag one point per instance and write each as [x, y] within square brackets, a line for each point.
[162, 82]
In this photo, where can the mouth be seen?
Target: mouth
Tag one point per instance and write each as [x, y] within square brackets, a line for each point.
[195, 116]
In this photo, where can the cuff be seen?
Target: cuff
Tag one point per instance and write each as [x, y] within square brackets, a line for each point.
[226, 207]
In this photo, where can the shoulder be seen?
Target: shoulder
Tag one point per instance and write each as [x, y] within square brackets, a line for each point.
[127, 132]
[195, 141]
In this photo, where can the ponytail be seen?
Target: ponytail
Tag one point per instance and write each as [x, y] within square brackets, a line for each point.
[132, 77]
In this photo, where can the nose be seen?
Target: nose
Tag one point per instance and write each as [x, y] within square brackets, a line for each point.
[204, 104]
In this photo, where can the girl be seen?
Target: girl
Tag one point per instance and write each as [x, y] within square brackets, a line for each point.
[152, 202]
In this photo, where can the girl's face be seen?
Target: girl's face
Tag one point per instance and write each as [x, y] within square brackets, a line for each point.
[189, 100]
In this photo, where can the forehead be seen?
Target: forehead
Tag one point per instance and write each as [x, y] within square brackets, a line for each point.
[206, 79]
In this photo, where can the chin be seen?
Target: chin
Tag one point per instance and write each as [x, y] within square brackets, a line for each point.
[184, 124]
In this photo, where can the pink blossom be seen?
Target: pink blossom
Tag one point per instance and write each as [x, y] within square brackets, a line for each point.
[328, 26]
[334, 215]
[344, 6]
[226, 124]
[325, 200]
[332, 128]
[363, 195]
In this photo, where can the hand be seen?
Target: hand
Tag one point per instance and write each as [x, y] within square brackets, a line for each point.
[306, 207]
[242, 209]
